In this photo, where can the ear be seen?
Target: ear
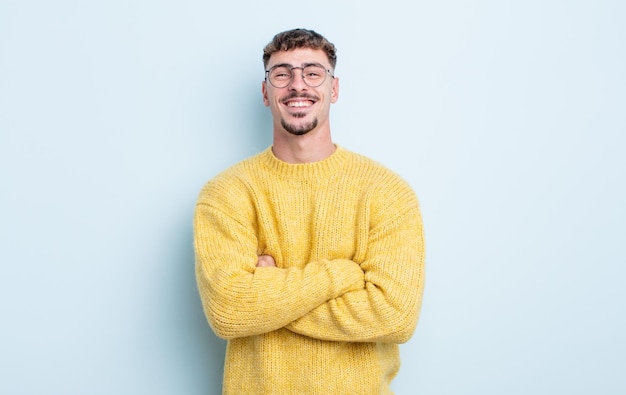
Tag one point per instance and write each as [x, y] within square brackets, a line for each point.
[266, 100]
[334, 93]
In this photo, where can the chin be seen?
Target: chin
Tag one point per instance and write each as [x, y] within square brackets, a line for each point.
[299, 130]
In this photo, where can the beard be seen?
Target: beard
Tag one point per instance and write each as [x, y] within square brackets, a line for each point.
[300, 129]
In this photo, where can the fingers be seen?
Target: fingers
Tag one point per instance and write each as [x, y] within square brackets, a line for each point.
[266, 261]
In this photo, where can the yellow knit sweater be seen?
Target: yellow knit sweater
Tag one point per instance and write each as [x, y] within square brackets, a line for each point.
[346, 234]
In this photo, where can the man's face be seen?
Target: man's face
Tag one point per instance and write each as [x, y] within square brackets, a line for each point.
[299, 108]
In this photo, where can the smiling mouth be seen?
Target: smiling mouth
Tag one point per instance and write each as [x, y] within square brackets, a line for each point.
[299, 101]
[300, 104]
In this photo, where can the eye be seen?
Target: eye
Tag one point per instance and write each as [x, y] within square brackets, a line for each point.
[281, 73]
[314, 72]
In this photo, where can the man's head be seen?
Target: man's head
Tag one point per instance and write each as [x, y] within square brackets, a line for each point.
[300, 38]
[299, 81]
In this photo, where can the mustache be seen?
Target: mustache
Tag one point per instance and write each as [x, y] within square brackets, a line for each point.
[296, 95]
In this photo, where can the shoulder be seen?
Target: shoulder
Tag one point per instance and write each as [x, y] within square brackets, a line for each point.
[377, 175]
[232, 183]
[389, 194]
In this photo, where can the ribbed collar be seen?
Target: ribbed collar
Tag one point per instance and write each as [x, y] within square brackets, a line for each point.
[305, 171]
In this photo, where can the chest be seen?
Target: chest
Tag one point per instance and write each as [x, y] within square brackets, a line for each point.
[300, 223]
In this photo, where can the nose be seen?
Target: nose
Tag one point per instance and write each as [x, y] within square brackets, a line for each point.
[297, 81]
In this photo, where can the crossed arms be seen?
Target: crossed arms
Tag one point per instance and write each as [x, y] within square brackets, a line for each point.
[375, 299]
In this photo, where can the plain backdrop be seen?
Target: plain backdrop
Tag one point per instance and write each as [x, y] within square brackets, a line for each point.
[507, 117]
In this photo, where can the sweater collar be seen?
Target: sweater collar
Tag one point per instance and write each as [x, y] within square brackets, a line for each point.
[304, 171]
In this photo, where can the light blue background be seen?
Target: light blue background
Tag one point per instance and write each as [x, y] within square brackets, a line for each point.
[507, 117]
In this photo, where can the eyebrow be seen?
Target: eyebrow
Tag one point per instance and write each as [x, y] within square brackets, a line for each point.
[303, 65]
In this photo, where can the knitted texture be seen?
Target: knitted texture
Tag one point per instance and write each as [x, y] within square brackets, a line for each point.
[346, 234]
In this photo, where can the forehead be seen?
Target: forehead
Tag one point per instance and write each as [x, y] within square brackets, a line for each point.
[299, 56]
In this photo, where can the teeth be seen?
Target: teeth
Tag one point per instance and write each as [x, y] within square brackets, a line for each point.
[298, 104]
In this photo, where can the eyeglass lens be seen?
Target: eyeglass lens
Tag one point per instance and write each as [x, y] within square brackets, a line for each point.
[281, 76]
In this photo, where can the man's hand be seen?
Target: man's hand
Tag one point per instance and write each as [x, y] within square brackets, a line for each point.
[265, 261]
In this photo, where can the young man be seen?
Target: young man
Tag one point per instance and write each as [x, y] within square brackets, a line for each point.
[310, 258]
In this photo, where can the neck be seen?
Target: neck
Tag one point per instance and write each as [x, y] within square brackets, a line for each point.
[311, 147]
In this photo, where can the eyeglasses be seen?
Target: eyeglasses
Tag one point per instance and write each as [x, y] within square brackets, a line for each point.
[281, 75]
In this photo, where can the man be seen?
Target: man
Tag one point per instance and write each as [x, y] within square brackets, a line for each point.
[310, 258]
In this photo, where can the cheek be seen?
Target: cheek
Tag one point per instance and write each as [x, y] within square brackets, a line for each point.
[273, 105]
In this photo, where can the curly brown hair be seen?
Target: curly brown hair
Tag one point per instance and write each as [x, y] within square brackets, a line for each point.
[300, 38]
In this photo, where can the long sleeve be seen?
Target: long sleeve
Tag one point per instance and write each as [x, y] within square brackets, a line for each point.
[387, 309]
[242, 300]
[346, 236]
